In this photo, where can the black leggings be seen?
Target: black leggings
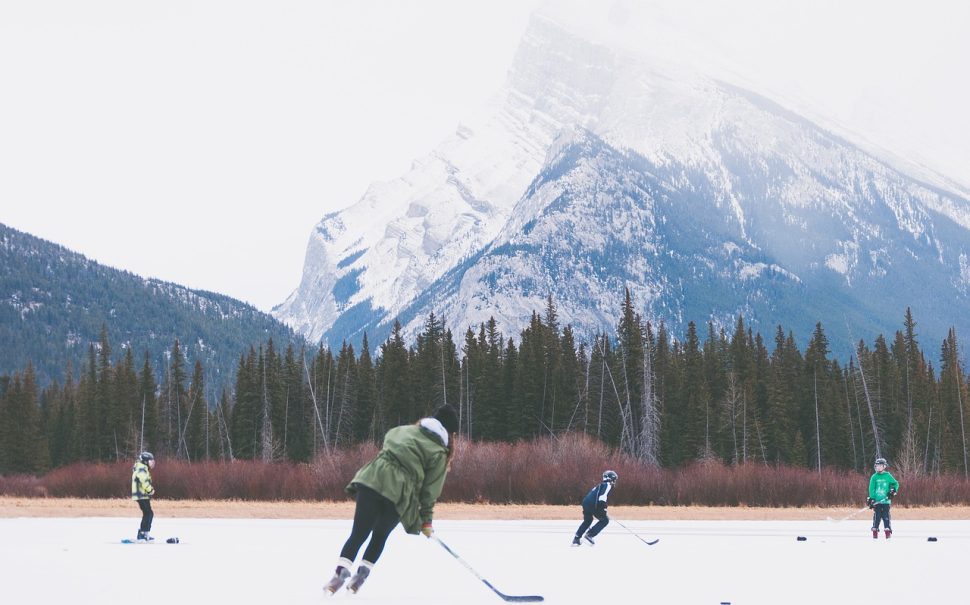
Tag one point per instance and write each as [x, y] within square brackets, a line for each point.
[146, 515]
[374, 515]
[602, 521]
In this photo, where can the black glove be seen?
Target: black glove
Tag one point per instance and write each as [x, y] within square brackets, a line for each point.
[870, 502]
[891, 494]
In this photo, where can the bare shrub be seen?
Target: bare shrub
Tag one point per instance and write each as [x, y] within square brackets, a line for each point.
[23, 486]
[90, 480]
[543, 471]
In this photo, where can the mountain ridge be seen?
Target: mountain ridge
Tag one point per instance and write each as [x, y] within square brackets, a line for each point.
[53, 303]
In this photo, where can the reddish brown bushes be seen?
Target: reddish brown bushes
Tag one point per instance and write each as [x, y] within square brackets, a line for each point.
[24, 486]
[545, 471]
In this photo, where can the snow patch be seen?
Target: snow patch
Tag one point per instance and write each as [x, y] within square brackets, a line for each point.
[838, 263]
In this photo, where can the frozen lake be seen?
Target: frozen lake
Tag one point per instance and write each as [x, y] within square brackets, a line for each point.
[242, 561]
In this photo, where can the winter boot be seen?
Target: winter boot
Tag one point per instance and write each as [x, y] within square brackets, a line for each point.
[340, 576]
[576, 541]
[589, 539]
[889, 533]
[875, 533]
[358, 580]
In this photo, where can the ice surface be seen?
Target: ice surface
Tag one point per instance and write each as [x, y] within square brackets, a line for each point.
[287, 561]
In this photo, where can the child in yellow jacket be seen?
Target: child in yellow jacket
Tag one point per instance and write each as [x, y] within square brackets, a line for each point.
[142, 492]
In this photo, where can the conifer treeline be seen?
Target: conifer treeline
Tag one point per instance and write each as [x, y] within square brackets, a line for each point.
[668, 401]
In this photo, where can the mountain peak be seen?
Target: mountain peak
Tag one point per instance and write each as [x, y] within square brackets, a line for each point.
[600, 171]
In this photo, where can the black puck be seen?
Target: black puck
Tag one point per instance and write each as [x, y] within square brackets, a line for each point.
[172, 540]
[802, 538]
[931, 539]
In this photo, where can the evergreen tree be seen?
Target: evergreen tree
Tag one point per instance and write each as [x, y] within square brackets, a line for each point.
[781, 427]
[243, 424]
[24, 447]
[345, 397]
[953, 402]
[393, 378]
[299, 419]
[195, 436]
[89, 411]
[147, 413]
[512, 417]
[124, 393]
[367, 408]
[173, 404]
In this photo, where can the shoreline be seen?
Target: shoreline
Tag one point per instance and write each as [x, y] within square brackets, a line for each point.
[15, 507]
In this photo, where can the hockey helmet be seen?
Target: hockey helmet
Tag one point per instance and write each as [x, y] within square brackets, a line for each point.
[880, 461]
[610, 476]
[145, 457]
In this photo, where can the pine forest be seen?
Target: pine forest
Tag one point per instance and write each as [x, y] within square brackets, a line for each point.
[666, 401]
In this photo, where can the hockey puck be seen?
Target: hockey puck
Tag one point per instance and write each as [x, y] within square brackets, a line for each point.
[931, 539]
[172, 541]
[802, 538]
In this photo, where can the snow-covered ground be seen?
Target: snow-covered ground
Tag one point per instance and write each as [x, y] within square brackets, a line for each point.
[287, 561]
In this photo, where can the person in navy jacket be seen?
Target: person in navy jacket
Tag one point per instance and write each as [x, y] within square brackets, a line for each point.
[594, 505]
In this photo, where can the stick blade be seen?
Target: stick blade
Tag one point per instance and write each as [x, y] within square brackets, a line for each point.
[513, 598]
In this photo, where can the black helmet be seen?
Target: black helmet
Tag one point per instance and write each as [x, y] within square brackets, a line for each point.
[448, 418]
[610, 476]
[145, 457]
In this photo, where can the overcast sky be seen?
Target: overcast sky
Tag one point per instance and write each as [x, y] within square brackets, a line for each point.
[200, 141]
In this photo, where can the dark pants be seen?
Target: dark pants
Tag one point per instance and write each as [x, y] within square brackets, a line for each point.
[146, 515]
[588, 520]
[376, 516]
[881, 511]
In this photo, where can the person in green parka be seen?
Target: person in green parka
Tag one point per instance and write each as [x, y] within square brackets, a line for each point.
[402, 485]
[882, 490]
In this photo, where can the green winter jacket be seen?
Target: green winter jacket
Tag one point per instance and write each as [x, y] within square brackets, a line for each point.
[879, 486]
[409, 471]
[141, 482]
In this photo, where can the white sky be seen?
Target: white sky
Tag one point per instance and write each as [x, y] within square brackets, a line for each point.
[200, 141]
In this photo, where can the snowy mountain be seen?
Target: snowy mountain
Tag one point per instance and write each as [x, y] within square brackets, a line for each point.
[599, 170]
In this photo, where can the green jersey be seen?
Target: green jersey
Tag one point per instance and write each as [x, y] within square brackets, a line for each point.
[879, 486]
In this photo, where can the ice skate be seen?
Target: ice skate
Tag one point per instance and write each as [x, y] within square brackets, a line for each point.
[340, 576]
[889, 533]
[875, 534]
[589, 539]
[358, 580]
[576, 541]
[144, 536]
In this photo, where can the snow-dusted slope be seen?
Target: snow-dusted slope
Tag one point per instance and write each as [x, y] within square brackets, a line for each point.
[599, 170]
[853, 252]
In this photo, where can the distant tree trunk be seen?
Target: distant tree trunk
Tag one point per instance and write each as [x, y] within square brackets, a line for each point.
[266, 432]
[872, 414]
[650, 429]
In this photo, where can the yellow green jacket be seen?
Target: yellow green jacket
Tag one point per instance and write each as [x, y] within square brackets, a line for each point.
[409, 471]
[141, 482]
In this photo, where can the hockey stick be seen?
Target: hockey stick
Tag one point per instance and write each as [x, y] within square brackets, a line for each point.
[508, 598]
[648, 543]
[850, 515]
